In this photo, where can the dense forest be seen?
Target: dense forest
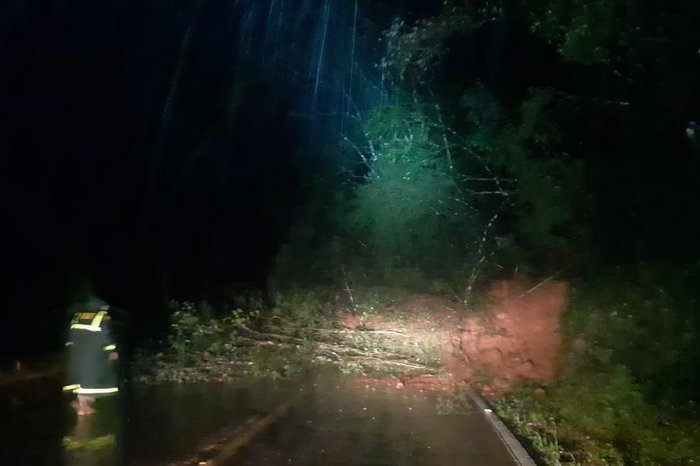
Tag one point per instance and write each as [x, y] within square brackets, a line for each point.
[539, 139]
[224, 147]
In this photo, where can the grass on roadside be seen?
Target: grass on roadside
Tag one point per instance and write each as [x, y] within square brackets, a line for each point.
[628, 377]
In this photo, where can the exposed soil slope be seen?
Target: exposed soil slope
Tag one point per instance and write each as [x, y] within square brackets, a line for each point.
[516, 337]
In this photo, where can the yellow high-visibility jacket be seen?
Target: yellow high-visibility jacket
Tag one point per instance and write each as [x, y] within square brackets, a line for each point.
[91, 369]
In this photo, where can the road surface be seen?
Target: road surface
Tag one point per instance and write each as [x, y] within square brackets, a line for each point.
[322, 420]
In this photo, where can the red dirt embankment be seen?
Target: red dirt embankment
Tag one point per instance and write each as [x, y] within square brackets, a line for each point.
[516, 337]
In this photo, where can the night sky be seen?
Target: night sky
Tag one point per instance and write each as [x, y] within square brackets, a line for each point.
[152, 148]
[161, 149]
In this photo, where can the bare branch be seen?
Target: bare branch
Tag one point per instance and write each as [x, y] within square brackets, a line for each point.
[496, 193]
[482, 257]
[546, 280]
[362, 156]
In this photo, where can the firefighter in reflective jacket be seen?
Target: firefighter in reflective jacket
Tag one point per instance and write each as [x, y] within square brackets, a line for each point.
[92, 358]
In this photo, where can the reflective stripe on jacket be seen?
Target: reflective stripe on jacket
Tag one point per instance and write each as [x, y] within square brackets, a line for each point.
[90, 369]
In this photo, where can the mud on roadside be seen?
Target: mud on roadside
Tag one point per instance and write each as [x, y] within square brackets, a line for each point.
[516, 337]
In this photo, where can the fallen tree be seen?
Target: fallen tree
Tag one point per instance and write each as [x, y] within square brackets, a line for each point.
[239, 345]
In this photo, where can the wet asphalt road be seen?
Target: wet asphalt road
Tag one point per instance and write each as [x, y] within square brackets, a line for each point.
[324, 420]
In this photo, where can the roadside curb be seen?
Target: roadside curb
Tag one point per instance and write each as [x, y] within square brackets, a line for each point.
[516, 450]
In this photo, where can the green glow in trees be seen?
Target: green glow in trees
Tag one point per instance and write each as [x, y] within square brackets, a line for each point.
[408, 209]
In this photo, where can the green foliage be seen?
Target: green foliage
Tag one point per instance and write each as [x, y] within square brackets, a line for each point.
[194, 334]
[89, 444]
[408, 211]
[536, 118]
[607, 403]
[431, 194]
[433, 184]
[271, 363]
[205, 348]
[627, 389]
[584, 31]
[485, 117]
[444, 191]
[400, 216]
[301, 310]
[413, 50]
[613, 35]
[599, 418]
[645, 320]
[369, 300]
[538, 431]
[550, 183]
[546, 184]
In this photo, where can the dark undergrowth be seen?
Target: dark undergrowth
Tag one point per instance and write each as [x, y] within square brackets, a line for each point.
[625, 393]
[627, 390]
